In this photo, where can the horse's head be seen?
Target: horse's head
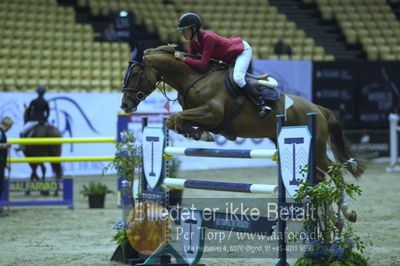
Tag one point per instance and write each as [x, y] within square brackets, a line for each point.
[139, 82]
[141, 78]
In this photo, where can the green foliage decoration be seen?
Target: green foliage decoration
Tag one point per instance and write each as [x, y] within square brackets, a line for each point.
[335, 242]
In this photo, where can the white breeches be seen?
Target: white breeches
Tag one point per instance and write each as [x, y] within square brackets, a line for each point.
[29, 126]
[241, 65]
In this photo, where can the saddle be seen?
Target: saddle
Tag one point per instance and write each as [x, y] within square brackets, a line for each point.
[30, 132]
[267, 93]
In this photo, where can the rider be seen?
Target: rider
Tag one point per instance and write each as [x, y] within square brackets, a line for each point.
[37, 113]
[210, 44]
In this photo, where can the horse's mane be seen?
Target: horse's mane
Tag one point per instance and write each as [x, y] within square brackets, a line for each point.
[170, 49]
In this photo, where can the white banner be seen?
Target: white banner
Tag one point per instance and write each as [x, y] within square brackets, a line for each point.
[75, 115]
[95, 115]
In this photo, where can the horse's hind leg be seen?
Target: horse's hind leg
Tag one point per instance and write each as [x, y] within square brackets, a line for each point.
[323, 163]
[34, 175]
[57, 169]
[43, 168]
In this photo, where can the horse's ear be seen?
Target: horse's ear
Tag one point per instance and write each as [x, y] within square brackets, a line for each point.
[137, 54]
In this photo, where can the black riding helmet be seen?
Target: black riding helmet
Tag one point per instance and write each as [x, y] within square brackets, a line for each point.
[189, 20]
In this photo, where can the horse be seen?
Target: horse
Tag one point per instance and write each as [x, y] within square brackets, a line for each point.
[43, 131]
[206, 105]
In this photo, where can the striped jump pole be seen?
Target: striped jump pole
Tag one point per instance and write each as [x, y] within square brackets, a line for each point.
[221, 153]
[220, 186]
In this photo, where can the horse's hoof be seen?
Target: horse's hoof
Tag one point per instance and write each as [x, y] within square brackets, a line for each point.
[352, 217]
[205, 136]
[197, 135]
[44, 193]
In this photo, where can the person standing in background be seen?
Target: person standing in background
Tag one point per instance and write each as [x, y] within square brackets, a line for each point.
[5, 125]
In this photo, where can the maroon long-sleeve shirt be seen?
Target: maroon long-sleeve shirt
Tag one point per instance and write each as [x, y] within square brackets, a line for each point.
[214, 46]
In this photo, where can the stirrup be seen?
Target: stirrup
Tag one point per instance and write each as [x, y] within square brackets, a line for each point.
[265, 110]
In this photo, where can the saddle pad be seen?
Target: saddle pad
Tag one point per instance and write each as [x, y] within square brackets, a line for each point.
[268, 94]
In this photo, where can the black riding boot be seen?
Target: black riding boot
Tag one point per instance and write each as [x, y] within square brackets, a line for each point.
[263, 108]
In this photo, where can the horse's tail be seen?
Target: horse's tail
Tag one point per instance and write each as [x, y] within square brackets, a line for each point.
[54, 150]
[339, 144]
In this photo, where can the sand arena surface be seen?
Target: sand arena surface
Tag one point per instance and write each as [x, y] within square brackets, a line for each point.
[58, 236]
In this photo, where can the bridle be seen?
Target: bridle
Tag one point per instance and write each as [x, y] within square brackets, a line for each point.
[137, 95]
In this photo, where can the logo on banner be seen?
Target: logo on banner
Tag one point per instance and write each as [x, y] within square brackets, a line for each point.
[192, 235]
[294, 148]
[153, 148]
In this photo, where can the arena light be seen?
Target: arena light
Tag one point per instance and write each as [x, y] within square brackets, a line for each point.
[123, 14]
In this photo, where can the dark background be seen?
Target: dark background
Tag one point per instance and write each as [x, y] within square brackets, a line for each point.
[362, 94]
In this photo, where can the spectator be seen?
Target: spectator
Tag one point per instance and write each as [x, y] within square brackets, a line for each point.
[282, 48]
[5, 125]
[110, 34]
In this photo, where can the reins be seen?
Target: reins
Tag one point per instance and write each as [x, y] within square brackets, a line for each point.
[185, 89]
[139, 95]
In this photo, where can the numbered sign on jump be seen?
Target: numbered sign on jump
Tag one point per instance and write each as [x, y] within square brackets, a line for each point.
[153, 148]
[294, 149]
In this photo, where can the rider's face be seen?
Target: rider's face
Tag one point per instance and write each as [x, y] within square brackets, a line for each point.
[187, 33]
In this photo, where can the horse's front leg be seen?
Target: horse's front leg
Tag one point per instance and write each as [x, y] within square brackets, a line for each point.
[187, 130]
[202, 115]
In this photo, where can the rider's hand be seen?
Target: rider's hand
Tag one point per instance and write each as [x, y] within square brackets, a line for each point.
[8, 145]
[179, 56]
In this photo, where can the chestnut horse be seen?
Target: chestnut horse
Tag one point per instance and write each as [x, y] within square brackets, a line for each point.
[206, 102]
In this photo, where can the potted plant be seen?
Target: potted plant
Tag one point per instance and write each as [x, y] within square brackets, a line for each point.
[335, 242]
[96, 192]
[124, 251]
[126, 162]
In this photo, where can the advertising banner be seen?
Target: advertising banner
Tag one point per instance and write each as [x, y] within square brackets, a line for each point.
[361, 93]
[95, 115]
